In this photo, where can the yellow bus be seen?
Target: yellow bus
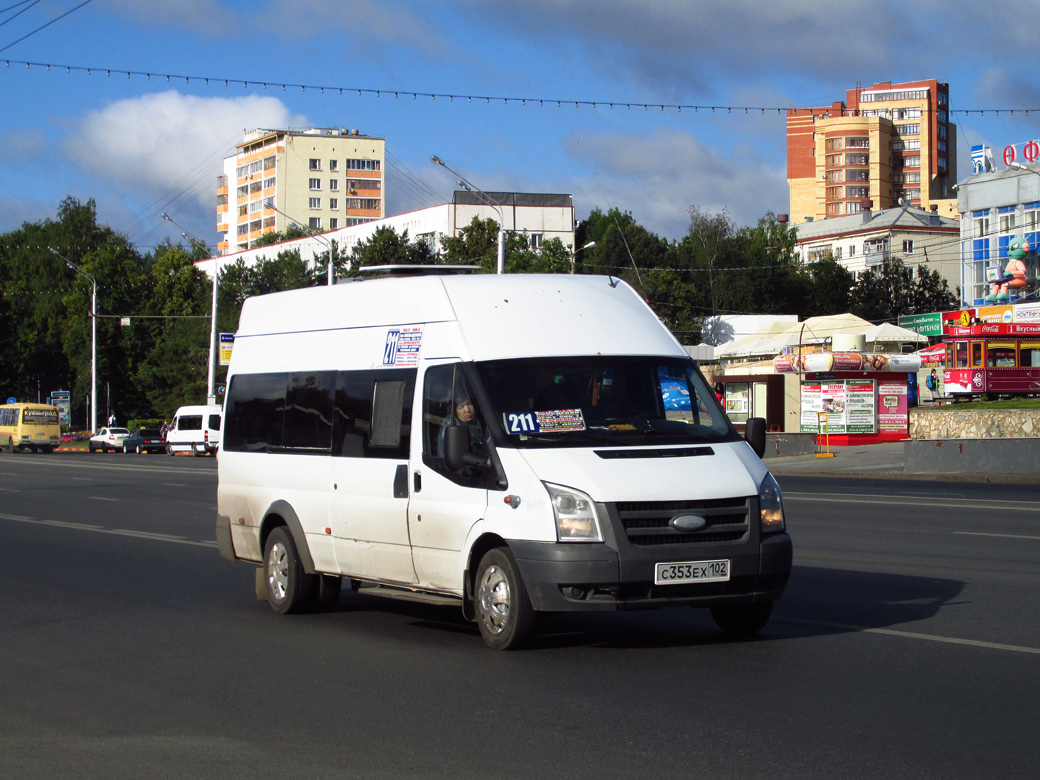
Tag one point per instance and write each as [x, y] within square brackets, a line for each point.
[29, 427]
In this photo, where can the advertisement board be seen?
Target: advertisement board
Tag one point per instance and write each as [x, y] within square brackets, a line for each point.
[848, 403]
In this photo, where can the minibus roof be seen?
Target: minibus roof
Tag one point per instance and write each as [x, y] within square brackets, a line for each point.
[500, 316]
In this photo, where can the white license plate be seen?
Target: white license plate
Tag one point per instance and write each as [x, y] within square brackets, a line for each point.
[691, 571]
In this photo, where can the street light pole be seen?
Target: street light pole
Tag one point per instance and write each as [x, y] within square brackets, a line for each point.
[211, 372]
[93, 337]
[471, 187]
[330, 271]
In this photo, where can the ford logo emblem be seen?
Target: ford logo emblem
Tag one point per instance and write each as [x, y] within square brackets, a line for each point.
[688, 523]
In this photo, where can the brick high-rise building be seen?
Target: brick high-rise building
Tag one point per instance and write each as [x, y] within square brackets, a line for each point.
[886, 143]
[322, 179]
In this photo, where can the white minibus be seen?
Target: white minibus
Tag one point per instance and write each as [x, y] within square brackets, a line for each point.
[509, 444]
[195, 429]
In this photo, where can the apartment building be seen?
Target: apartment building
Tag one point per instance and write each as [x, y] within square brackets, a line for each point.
[864, 241]
[890, 143]
[321, 178]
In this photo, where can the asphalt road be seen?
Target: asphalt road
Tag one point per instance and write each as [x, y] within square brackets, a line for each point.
[906, 646]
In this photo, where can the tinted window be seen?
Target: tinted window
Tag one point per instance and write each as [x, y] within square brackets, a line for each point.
[189, 422]
[307, 424]
[254, 410]
[373, 411]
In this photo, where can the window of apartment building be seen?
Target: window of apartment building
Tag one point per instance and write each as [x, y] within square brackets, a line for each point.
[941, 145]
[255, 187]
[857, 159]
[837, 253]
[906, 113]
[269, 162]
[940, 114]
[833, 193]
[243, 191]
[857, 176]
[270, 183]
[222, 199]
[942, 131]
[834, 160]
[243, 210]
[912, 178]
[315, 164]
[837, 175]
[243, 229]
[834, 209]
[912, 162]
[857, 143]
[333, 185]
[536, 240]
[255, 206]
[1006, 218]
[333, 165]
[857, 192]
[268, 223]
[362, 203]
[833, 144]
[897, 178]
[333, 203]
[907, 195]
[364, 184]
[816, 254]
[363, 165]
[1031, 221]
[315, 184]
[314, 203]
[908, 246]
[333, 223]
[852, 250]
[314, 222]
[255, 226]
[914, 129]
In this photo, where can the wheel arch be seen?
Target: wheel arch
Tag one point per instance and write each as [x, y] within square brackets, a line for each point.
[281, 513]
[479, 548]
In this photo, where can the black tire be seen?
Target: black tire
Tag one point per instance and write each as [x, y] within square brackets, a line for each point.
[169, 450]
[502, 607]
[289, 588]
[90, 447]
[326, 592]
[138, 450]
[743, 620]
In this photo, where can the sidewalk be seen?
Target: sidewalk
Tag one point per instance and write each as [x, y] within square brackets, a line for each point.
[882, 461]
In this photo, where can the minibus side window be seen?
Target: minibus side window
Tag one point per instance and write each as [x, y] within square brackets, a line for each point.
[254, 411]
[372, 415]
[307, 424]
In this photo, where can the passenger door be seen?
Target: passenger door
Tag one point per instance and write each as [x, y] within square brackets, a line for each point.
[368, 504]
[444, 506]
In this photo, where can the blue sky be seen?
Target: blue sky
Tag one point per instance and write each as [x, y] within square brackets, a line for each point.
[142, 146]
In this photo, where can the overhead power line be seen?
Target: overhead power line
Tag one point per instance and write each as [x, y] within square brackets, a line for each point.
[263, 84]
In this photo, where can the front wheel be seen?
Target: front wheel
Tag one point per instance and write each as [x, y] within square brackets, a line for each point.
[742, 620]
[289, 587]
[503, 608]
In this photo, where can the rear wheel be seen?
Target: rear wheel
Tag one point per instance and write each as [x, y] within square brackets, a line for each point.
[169, 450]
[289, 587]
[742, 619]
[138, 450]
[503, 608]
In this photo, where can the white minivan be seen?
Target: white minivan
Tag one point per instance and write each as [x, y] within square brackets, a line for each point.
[195, 429]
[509, 444]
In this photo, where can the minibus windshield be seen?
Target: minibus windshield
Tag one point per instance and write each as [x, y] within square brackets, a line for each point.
[602, 400]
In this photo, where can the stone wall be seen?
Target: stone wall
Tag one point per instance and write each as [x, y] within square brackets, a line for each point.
[952, 423]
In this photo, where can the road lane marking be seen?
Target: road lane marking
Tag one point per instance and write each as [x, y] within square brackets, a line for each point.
[913, 635]
[1019, 506]
[155, 537]
[101, 498]
[1002, 536]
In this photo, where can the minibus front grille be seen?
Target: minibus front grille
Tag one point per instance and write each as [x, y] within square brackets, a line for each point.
[648, 523]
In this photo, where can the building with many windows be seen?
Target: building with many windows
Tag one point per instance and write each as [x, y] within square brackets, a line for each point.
[891, 143]
[996, 207]
[321, 178]
[862, 242]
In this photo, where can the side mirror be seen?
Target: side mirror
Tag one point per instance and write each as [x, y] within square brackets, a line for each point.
[456, 449]
[755, 434]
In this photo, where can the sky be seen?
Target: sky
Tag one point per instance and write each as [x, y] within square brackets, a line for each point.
[558, 96]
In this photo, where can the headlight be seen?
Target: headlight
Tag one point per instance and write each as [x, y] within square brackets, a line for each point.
[771, 506]
[575, 514]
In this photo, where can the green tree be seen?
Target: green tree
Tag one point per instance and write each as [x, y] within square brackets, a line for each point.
[386, 247]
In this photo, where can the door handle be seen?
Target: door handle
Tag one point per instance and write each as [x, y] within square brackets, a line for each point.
[401, 481]
[417, 481]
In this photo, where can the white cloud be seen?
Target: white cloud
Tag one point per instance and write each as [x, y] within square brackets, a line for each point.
[659, 176]
[202, 16]
[154, 141]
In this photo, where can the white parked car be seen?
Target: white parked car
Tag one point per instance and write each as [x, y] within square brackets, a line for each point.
[108, 439]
